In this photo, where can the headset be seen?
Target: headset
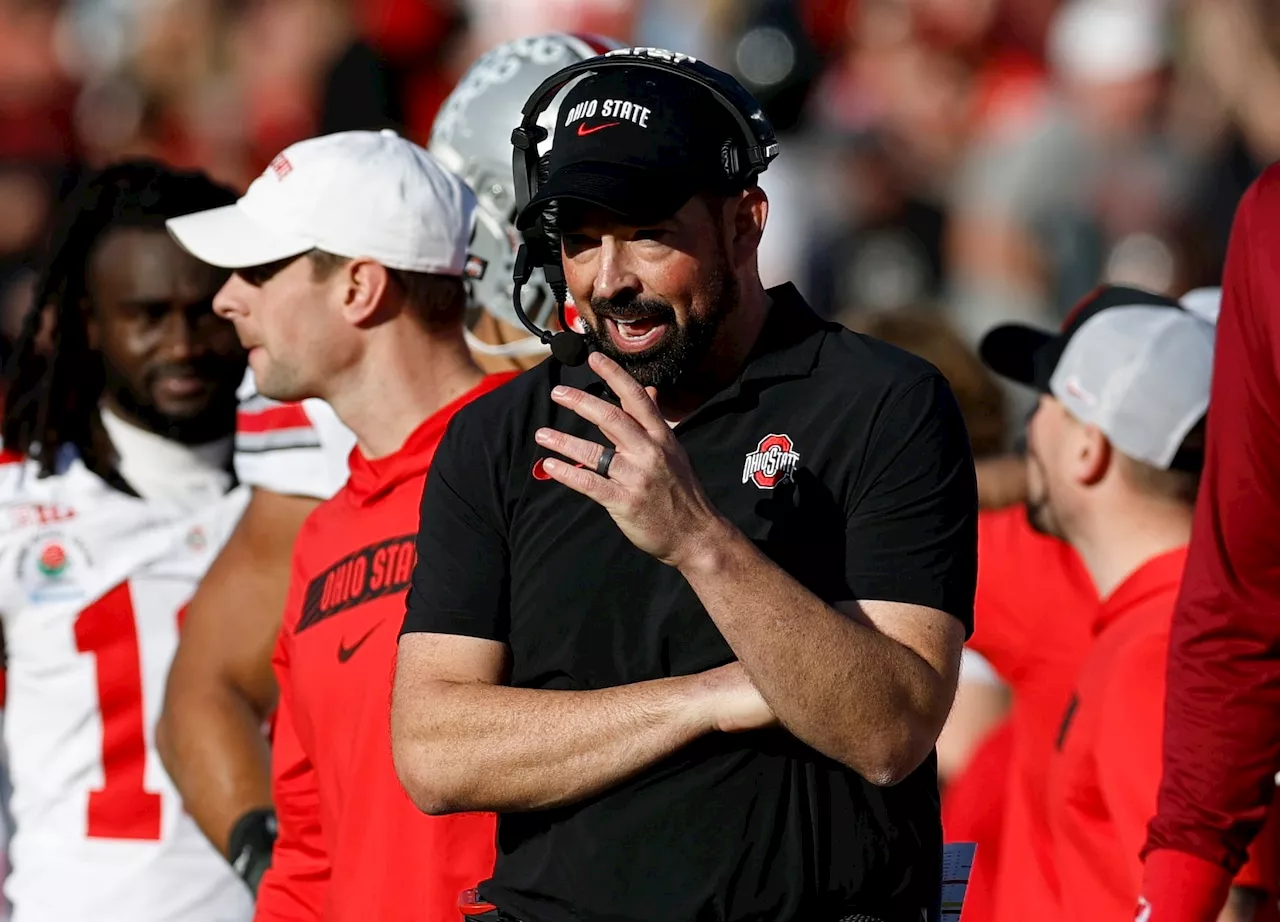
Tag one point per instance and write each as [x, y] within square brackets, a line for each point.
[742, 159]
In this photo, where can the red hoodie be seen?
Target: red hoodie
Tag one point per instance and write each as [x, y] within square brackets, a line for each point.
[1222, 713]
[352, 845]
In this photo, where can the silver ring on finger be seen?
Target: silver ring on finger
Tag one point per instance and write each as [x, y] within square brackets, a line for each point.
[606, 458]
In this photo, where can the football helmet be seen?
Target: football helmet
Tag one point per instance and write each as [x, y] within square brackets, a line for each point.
[471, 136]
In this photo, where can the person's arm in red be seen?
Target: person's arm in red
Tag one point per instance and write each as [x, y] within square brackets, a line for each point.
[1222, 713]
[294, 887]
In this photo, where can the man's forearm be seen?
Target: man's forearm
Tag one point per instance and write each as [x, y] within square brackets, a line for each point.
[474, 746]
[831, 678]
[210, 740]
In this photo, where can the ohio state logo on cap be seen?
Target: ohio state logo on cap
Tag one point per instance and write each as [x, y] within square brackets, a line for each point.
[280, 166]
[773, 462]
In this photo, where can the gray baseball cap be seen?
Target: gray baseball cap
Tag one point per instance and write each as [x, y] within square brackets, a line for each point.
[1135, 364]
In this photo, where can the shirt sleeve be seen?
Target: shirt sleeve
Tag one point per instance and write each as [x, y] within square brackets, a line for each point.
[294, 887]
[460, 582]
[1222, 742]
[912, 535]
[1004, 622]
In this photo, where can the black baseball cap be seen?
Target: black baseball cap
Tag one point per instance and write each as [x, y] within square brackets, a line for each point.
[1029, 355]
[640, 143]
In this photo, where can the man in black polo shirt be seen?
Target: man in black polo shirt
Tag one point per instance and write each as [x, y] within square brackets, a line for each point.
[689, 616]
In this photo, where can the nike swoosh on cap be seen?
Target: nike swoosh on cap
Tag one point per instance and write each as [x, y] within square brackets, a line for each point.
[583, 130]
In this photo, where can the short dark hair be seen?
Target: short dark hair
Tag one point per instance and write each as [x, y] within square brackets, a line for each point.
[437, 301]
[1179, 483]
[53, 399]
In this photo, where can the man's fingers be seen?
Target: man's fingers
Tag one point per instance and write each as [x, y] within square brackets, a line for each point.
[583, 451]
[636, 400]
[614, 422]
[580, 480]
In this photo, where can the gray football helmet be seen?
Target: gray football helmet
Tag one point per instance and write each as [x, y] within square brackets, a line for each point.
[472, 137]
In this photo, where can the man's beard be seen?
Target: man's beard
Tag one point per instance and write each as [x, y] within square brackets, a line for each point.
[212, 420]
[682, 349]
[1040, 519]
[1040, 515]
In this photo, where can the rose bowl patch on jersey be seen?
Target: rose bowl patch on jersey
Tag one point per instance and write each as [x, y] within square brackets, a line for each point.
[48, 567]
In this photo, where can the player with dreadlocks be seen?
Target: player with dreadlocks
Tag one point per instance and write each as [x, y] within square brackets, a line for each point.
[54, 402]
[121, 418]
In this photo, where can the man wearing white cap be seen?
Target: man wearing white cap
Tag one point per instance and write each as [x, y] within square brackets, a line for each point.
[1113, 454]
[348, 255]
[294, 455]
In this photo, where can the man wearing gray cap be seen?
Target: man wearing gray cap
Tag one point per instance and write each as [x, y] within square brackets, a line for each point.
[1113, 457]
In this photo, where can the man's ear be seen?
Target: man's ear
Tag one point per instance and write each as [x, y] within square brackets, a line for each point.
[1092, 456]
[750, 214]
[364, 285]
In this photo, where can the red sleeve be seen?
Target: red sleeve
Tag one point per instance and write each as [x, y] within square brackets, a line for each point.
[1222, 713]
[294, 887]
[1026, 581]
[1002, 632]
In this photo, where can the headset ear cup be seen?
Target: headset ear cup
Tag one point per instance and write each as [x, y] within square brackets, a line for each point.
[550, 211]
[552, 268]
[549, 246]
[730, 161]
[550, 230]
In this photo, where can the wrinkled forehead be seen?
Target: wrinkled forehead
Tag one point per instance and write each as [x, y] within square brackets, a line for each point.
[145, 264]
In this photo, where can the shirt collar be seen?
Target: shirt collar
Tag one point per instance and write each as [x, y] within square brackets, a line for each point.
[371, 479]
[787, 347]
[1158, 576]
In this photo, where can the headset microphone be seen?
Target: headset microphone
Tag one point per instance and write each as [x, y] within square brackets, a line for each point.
[568, 347]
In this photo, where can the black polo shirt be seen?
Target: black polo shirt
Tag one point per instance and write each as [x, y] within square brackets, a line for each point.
[846, 461]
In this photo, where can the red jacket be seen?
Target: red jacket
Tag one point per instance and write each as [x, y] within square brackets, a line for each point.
[1032, 618]
[1105, 769]
[352, 846]
[1222, 714]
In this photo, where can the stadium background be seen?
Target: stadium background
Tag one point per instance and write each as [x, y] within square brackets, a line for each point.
[985, 158]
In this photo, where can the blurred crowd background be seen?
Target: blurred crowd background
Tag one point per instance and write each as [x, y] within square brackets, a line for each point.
[975, 159]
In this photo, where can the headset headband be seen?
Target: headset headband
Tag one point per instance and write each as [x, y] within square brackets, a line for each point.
[760, 144]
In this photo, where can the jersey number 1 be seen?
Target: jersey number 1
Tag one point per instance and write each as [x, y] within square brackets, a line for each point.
[122, 808]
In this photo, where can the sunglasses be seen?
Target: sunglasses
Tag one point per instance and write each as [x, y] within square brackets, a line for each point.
[257, 276]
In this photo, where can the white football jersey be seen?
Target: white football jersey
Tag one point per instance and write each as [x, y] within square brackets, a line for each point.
[300, 449]
[92, 586]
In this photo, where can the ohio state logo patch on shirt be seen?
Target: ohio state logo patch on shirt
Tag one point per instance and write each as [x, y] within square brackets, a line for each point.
[773, 462]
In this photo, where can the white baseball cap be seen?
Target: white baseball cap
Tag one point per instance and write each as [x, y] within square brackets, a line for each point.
[355, 194]
[1135, 364]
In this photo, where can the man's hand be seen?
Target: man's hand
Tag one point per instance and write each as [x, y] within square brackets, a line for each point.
[651, 490]
[736, 705]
